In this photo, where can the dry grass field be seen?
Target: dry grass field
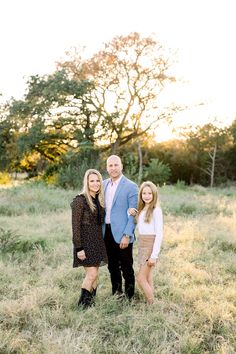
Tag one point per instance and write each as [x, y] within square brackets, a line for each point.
[195, 279]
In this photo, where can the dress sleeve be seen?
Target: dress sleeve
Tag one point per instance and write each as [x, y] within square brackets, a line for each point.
[77, 207]
[158, 226]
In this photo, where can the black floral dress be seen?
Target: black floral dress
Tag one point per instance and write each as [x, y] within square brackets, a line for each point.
[87, 232]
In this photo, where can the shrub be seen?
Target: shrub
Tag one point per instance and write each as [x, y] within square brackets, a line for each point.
[184, 209]
[180, 185]
[69, 172]
[130, 163]
[157, 172]
[8, 239]
[71, 176]
[226, 246]
[5, 178]
[10, 242]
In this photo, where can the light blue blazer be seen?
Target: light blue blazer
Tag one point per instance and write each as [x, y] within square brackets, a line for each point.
[126, 197]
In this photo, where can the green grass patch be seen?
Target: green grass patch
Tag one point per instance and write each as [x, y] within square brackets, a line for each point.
[195, 289]
[34, 199]
[226, 246]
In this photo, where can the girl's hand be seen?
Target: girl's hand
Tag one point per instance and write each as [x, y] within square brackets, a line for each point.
[151, 262]
[132, 211]
[81, 255]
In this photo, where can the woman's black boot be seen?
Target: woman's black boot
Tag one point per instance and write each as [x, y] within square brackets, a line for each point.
[85, 299]
[93, 293]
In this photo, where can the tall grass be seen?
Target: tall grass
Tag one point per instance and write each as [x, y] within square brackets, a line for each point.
[39, 199]
[195, 287]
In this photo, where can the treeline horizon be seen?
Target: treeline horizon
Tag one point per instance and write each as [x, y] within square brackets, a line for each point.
[87, 109]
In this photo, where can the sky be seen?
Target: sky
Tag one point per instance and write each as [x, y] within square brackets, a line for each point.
[35, 34]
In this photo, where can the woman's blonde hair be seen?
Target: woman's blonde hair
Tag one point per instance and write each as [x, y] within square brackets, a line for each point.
[153, 203]
[85, 190]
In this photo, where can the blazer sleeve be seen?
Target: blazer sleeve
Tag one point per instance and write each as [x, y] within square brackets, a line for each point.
[77, 207]
[132, 203]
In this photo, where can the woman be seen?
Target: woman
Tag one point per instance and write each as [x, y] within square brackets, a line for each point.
[89, 248]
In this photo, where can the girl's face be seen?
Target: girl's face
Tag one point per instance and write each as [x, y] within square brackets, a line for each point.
[147, 195]
[93, 184]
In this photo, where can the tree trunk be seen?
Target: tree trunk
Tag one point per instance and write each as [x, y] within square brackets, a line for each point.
[191, 180]
[213, 165]
[140, 172]
[114, 147]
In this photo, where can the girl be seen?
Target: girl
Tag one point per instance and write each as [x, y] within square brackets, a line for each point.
[89, 247]
[150, 229]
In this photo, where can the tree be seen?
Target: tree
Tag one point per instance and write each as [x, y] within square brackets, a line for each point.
[5, 138]
[178, 157]
[230, 153]
[105, 101]
[157, 172]
[207, 143]
[8, 137]
[54, 116]
[128, 76]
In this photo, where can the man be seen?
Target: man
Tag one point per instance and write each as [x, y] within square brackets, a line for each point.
[120, 195]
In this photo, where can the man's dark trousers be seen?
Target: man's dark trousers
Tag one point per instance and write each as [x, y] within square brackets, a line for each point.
[119, 260]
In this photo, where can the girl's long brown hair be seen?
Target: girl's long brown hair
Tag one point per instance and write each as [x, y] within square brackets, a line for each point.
[153, 203]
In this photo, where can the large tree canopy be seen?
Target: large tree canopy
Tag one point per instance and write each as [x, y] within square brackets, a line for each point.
[54, 116]
[128, 75]
[103, 101]
[109, 101]
[206, 146]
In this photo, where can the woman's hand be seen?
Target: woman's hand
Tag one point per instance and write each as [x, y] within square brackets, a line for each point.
[151, 262]
[132, 211]
[81, 255]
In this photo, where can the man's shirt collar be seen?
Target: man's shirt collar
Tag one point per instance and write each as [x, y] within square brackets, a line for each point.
[116, 182]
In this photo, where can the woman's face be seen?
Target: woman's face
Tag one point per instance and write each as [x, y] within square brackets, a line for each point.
[93, 184]
[147, 195]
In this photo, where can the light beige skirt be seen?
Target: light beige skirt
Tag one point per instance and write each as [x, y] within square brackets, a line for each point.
[145, 247]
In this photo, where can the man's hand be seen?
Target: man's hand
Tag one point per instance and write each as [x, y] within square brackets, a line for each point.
[81, 255]
[151, 262]
[132, 211]
[124, 243]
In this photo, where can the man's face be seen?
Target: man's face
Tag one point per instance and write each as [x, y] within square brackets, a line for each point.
[114, 168]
